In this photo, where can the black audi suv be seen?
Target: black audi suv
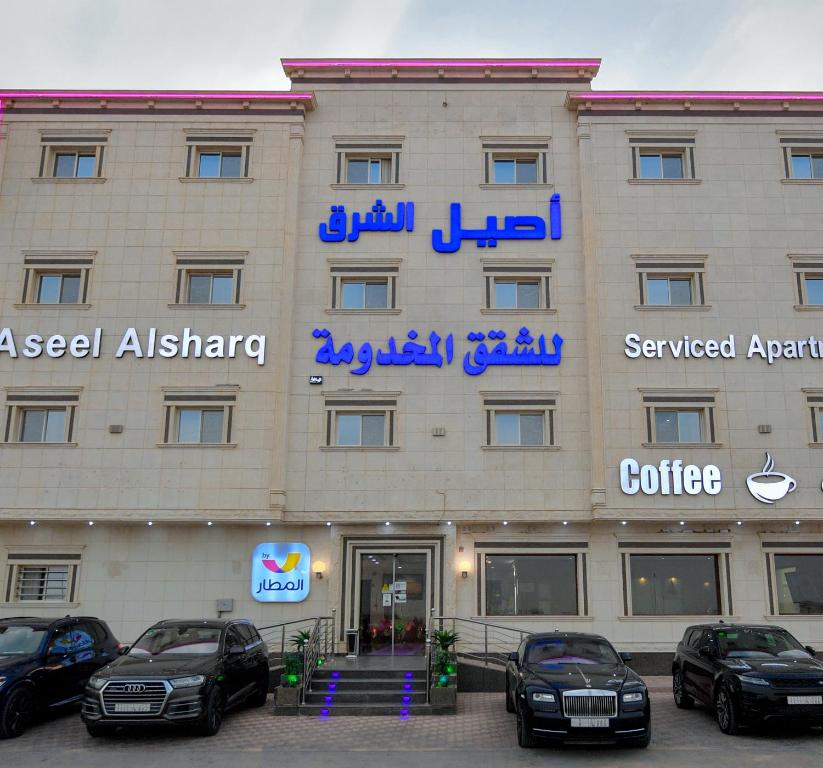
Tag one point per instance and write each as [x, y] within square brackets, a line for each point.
[180, 672]
[568, 686]
[748, 674]
[45, 663]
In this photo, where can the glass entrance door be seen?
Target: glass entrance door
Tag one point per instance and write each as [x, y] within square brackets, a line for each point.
[394, 602]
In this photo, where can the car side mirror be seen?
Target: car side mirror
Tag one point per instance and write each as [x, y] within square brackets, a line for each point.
[811, 651]
[123, 650]
[706, 651]
[626, 656]
[237, 650]
[58, 652]
[513, 656]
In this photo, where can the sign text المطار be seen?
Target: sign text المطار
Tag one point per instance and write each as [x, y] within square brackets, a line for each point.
[339, 228]
[412, 352]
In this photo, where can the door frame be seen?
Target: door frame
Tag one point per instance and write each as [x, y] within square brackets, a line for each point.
[353, 547]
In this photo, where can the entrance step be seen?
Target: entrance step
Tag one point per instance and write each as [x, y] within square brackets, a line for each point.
[326, 673]
[399, 698]
[371, 683]
[343, 710]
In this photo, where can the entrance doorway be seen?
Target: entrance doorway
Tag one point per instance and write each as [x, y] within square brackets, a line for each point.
[394, 601]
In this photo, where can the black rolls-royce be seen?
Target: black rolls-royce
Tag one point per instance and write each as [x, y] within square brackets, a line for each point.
[574, 687]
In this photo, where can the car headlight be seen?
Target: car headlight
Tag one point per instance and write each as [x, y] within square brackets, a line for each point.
[97, 682]
[633, 696]
[755, 680]
[187, 682]
[543, 698]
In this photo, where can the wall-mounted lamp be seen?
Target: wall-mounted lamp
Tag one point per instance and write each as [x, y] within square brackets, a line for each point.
[465, 565]
[319, 569]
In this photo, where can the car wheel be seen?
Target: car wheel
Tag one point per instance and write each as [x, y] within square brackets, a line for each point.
[17, 713]
[260, 695]
[509, 705]
[682, 700]
[524, 734]
[726, 711]
[213, 715]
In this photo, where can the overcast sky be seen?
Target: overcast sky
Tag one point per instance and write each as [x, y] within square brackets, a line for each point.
[745, 44]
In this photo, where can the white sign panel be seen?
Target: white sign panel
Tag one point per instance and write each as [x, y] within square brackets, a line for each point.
[280, 572]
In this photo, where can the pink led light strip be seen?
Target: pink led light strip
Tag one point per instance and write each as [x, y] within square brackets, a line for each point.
[453, 63]
[161, 95]
[698, 95]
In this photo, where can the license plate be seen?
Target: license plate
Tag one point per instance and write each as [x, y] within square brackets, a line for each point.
[590, 722]
[139, 706]
[805, 699]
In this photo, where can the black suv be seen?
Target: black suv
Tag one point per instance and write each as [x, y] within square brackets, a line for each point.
[180, 672]
[748, 674]
[570, 686]
[45, 663]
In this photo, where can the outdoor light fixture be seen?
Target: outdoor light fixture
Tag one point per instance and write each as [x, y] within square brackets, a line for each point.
[91, 522]
[682, 522]
[740, 522]
[319, 569]
[565, 522]
[387, 522]
[268, 523]
[210, 523]
[32, 522]
[448, 522]
[505, 522]
[328, 524]
[622, 522]
[464, 569]
[150, 523]
[797, 522]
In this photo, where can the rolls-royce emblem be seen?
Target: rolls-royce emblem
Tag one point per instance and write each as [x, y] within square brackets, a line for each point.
[134, 688]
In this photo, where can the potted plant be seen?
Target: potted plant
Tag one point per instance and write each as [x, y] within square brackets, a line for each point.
[444, 683]
[288, 694]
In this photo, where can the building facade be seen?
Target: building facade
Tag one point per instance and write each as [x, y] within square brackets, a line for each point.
[459, 338]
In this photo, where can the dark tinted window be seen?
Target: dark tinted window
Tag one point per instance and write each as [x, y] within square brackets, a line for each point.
[245, 631]
[84, 636]
[233, 637]
[758, 643]
[195, 640]
[19, 640]
[556, 651]
[692, 637]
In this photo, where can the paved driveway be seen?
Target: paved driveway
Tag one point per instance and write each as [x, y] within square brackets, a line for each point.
[481, 735]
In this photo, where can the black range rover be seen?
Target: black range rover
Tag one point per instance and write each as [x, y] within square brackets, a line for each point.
[569, 686]
[180, 672]
[748, 674]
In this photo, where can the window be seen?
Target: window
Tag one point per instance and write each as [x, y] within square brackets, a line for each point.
[515, 170]
[807, 165]
[808, 275]
[69, 154]
[218, 155]
[671, 281]
[56, 278]
[677, 417]
[658, 157]
[209, 278]
[675, 585]
[40, 416]
[520, 420]
[361, 421]
[798, 582]
[814, 402]
[521, 286]
[41, 577]
[359, 294]
[364, 285]
[368, 161]
[515, 160]
[199, 417]
[530, 585]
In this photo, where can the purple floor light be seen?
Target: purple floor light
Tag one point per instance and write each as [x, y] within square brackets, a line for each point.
[335, 675]
[328, 699]
[409, 675]
[404, 714]
[406, 699]
[407, 687]
[332, 686]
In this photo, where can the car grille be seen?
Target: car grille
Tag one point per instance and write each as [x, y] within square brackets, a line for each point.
[589, 703]
[798, 682]
[135, 692]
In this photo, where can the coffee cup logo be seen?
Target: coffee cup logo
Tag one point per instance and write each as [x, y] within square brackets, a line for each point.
[769, 486]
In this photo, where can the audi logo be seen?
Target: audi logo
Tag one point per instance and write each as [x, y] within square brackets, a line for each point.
[134, 688]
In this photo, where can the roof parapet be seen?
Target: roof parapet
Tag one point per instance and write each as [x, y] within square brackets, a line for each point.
[594, 102]
[382, 70]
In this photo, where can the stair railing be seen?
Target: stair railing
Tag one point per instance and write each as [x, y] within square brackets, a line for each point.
[316, 648]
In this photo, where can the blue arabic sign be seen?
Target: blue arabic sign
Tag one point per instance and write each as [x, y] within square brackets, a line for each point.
[379, 220]
[412, 352]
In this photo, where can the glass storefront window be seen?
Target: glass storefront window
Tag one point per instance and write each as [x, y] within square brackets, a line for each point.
[799, 583]
[531, 585]
[675, 585]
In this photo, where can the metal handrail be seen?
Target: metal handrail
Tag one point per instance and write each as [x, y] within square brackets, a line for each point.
[316, 647]
[269, 633]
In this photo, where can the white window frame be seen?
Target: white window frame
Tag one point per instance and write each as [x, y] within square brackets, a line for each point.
[339, 403]
[71, 141]
[18, 557]
[641, 545]
[806, 266]
[387, 149]
[188, 263]
[663, 142]
[364, 270]
[36, 264]
[22, 399]
[577, 547]
[671, 267]
[701, 401]
[536, 148]
[519, 270]
[214, 142]
[521, 403]
[786, 544]
[177, 399]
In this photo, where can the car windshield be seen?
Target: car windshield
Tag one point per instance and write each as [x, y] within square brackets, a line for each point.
[20, 640]
[178, 640]
[555, 651]
[758, 643]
